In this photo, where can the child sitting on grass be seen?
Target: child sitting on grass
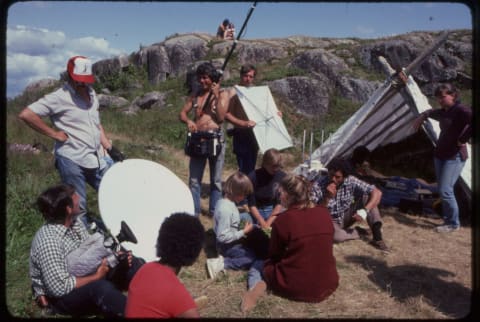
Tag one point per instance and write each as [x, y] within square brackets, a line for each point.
[230, 236]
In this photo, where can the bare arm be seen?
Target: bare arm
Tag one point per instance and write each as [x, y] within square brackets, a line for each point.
[36, 123]
[374, 199]
[256, 214]
[275, 212]
[104, 140]
[222, 105]
[192, 127]
[417, 122]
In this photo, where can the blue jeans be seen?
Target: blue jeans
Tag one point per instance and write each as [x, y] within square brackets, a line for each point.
[447, 172]
[236, 256]
[196, 169]
[98, 297]
[77, 176]
[104, 296]
[265, 211]
[255, 273]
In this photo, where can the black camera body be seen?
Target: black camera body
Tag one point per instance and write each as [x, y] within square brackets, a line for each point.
[113, 243]
[217, 75]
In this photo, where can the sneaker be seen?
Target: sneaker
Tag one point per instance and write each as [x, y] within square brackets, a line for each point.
[380, 244]
[215, 266]
[446, 228]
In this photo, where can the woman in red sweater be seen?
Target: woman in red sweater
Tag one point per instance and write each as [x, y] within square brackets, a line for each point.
[300, 264]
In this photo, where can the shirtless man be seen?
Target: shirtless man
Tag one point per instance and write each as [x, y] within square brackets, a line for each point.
[206, 119]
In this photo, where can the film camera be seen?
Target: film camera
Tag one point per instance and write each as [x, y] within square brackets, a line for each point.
[216, 75]
[113, 243]
[85, 259]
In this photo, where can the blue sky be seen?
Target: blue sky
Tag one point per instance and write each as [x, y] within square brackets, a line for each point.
[42, 35]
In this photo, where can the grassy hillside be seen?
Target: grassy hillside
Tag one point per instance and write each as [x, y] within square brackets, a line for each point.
[426, 276]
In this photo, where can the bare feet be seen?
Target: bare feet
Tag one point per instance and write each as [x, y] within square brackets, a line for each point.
[250, 298]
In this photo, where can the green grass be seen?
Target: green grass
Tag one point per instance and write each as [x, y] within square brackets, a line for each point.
[158, 130]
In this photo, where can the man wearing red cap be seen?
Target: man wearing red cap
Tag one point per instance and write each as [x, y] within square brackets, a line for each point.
[78, 134]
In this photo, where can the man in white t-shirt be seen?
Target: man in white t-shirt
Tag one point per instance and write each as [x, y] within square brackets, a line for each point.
[78, 134]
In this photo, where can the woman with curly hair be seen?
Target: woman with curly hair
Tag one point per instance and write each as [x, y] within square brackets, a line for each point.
[156, 291]
[300, 264]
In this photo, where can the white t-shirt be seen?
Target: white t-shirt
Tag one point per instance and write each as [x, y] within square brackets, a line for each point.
[79, 120]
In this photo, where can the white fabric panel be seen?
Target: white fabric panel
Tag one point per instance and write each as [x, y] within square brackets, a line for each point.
[258, 104]
[385, 118]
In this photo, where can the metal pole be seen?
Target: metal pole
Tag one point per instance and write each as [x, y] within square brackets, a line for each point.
[207, 102]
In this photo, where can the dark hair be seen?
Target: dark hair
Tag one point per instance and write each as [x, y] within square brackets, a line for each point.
[180, 240]
[360, 154]
[225, 22]
[339, 164]
[446, 88]
[246, 68]
[53, 202]
[206, 69]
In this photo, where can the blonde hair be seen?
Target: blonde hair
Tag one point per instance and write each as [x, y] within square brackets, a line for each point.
[297, 189]
[238, 184]
[272, 157]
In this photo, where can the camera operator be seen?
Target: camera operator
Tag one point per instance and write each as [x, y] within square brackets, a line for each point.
[53, 286]
[206, 126]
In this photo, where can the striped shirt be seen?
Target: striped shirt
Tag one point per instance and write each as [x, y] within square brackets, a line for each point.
[349, 191]
[48, 267]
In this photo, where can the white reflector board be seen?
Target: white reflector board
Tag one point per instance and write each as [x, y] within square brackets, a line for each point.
[258, 104]
[142, 193]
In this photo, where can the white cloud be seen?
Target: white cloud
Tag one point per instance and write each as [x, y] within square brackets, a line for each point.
[35, 53]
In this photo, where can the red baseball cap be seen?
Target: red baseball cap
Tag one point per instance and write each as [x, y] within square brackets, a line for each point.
[80, 69]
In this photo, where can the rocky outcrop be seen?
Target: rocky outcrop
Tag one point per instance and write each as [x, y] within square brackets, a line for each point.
[321, 67]
[111, 101]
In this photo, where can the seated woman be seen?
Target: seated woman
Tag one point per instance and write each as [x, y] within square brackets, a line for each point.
[264, 203]
[300, 264]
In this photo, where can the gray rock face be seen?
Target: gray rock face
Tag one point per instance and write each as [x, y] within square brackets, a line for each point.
[111, 101]
[328, 66]
[309, 95]
[40, 85]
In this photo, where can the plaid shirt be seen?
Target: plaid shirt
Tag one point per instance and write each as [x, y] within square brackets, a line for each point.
[351, 189]
[48, 267]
